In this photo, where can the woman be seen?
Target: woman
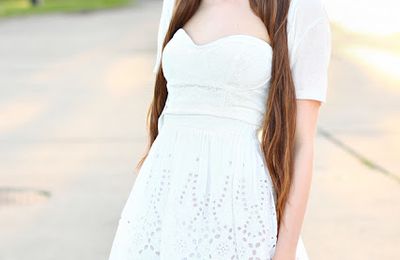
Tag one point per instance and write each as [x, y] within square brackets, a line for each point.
[239, 84]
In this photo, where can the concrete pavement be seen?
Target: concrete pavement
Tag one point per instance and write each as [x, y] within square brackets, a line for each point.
[74, 94]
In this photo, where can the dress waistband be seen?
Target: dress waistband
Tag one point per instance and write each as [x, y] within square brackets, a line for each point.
[210, 123]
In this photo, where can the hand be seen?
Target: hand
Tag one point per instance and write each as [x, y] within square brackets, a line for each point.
[280, 255]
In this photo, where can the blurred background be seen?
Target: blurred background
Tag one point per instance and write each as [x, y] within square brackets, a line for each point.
[75, 85]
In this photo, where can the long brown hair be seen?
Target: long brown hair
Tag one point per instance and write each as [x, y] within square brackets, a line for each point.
[279, 123]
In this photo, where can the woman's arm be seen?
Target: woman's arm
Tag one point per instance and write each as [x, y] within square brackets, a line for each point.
[292, 220]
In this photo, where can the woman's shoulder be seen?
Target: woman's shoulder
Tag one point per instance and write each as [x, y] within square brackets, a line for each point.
[308, 24]
[305, 14]
[307, 5]
[306, 11]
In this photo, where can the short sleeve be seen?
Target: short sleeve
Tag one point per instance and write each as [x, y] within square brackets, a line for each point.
[310, 49]
[165, 19]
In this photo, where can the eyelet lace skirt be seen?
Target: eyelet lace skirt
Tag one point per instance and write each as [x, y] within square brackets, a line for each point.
[203, 192]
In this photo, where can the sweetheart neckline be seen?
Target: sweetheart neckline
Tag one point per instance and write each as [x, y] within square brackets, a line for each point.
[247, 36]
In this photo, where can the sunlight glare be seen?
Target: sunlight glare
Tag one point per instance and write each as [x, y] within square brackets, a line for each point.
[365, 16]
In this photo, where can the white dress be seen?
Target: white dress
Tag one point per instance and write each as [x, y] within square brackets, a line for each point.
[204, 191]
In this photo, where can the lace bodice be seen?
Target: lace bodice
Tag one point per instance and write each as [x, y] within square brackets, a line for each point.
[229, 77]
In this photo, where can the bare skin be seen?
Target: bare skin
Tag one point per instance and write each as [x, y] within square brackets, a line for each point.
[292, 221]
[216, 19]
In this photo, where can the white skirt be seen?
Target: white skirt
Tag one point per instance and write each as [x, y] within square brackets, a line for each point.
[203, 192]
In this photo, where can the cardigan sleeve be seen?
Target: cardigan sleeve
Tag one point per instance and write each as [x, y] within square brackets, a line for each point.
[165, 19]
[309, 49]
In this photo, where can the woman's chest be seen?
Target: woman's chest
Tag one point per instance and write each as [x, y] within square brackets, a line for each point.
[240, 60]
